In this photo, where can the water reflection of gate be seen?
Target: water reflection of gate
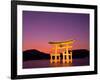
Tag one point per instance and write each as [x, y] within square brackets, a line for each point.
[65, 48]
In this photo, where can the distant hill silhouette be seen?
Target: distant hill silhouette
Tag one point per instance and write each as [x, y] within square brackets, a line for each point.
[34, 54]
[80, 53]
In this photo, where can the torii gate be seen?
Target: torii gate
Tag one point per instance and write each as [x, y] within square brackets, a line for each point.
[66, 47]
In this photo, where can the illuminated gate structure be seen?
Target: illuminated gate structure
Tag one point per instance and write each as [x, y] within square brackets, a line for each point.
[64, 48]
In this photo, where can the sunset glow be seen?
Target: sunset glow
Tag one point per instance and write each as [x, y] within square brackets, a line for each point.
[39, 28]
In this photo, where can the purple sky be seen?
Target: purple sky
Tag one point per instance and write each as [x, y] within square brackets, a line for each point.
[39, 28]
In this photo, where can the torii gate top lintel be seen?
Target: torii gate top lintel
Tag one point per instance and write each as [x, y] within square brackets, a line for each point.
[62, 42]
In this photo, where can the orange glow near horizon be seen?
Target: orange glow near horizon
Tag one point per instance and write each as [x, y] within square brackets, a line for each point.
[45, 47]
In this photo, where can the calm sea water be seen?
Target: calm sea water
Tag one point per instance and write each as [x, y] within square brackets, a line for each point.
[46, 63]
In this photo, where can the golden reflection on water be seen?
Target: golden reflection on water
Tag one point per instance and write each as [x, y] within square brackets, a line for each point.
[60, 64]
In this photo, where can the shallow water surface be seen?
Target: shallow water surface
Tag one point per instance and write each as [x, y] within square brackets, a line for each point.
[46, 63]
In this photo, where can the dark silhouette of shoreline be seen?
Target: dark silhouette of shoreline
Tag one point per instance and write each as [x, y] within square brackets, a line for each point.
[34, 54]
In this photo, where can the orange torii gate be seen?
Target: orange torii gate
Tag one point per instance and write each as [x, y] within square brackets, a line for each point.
[66, 50]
